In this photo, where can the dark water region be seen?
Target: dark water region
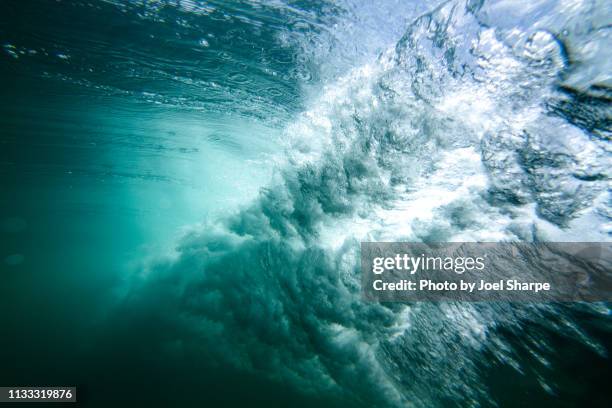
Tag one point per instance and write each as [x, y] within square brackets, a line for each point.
[206, 59]
[185, 185]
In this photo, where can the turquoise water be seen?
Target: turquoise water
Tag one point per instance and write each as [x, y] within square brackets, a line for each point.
[185, 186]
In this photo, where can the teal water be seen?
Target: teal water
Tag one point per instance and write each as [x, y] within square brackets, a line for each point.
[185, 186]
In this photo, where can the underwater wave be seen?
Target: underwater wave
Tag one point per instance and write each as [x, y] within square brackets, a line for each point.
[476, 121]
[483, 123]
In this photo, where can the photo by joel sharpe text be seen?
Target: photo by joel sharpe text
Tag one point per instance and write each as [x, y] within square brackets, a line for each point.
[520, 271]
[461, 285]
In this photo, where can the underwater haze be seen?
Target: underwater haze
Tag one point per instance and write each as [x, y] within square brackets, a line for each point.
[185, 186]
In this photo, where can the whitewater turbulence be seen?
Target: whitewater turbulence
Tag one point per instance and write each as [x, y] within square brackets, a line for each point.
[486, 122]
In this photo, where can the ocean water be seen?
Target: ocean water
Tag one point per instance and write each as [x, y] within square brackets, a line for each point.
[185, 185]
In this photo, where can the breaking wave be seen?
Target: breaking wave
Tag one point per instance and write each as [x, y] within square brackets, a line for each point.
[486, 121]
